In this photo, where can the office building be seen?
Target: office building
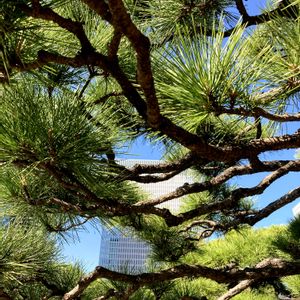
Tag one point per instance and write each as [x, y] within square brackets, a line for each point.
[120, 250]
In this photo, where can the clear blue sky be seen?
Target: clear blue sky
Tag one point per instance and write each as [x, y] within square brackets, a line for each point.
[87, 250]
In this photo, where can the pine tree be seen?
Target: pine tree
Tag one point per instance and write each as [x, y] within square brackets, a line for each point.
[216, 86]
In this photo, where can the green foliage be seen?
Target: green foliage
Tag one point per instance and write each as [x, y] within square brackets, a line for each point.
[63, 122]
[283, 34]
[238, 247]
[19, 260]
[40, 129]
[29, 272]
[23, 197]
[64, 277]
[35, 198]
[249, 295]
[36, 131]
[196, 288]
[289, 241]
[53, 283]
[169, 246]
[202, 73]
[156, 15]
[293, 282]
[21, 37]
[124, 115]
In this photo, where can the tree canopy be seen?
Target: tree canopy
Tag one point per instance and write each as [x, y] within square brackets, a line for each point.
[217, 86]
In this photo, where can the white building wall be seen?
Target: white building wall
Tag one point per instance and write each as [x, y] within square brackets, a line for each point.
[120, 251]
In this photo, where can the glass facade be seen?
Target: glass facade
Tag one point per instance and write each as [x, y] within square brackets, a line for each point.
[121, 251]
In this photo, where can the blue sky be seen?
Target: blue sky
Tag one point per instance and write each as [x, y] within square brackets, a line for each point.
[87, 250]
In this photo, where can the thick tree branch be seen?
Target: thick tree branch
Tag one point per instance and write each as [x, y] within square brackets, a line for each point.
[122, 21]
[266, 182]
[164, 171]
[116, 14]
[242, 9]
[200, 223]
[235, 196]
[272, 207]
[186, 189]
[115, 208]
[153, 178]
[241, 286]
[288, 141]
[101, 8]
[46, 13]
[114, 44]
[244, 284]
[4, 295]
[193, 142]
[251, 217]
[265, 269]
[166, 167]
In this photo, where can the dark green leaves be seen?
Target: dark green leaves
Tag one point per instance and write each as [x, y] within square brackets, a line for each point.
[56, 130]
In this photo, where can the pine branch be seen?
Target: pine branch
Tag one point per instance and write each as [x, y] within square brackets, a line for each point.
[151, 178]
[104, 98]
[166, 167]
[62, 228]
[271, 267]
[260, 112]
[272, 207]
[140, 173]
[101, 8]
[114, 44]
[150, 109]
[87, 83]
[200, 223]
[122, 21]
[251, 217]
[46, 13]
[241, 286]
[242, 9]
[4, 295]
[244, 284]
[186, 189]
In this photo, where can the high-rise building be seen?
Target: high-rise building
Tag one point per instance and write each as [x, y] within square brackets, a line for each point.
[120, 250]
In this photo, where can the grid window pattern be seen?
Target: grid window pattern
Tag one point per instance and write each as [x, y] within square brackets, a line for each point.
[121, 251]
